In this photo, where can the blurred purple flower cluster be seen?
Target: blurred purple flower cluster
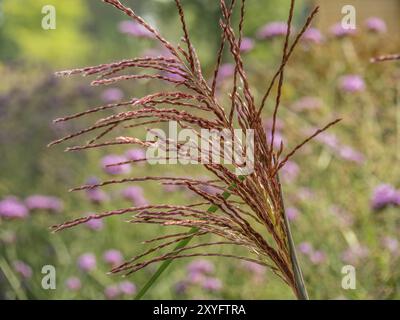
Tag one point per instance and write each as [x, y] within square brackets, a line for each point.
[247, 44]
[110, 165]
[135, 194]
[87, 262]
[95, 224]
[343, 151]
[278, 136]
[313, 35]
[73, 284]
[112, 95]
[339, 31]
[372, 24]
[355, 254]
[352, 83]
[316, 256]
[199, 273]
[375, 24]
[225, 71]
[115, 291]
[22, 269]
[135, 154]
[307, 103]
[12, 208]
[385, 195]
[272, 30]
[134, 29]
[290, 171]
[45, 203]
[95, 195]
[292, 213]
[113, 257]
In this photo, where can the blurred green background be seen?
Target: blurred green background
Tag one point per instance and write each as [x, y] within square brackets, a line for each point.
[330, 186]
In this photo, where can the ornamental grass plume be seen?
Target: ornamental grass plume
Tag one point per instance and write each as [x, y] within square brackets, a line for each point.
[248, 211]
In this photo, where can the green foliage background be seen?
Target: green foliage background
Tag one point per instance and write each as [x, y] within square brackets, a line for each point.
[87, 34]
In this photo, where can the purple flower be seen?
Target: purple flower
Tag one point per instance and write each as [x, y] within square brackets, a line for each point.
[349, 154]
[157, 52]
[292, 213]
[226, 70]
[338, 31]
[317, 257]
[383, 196]
[40, 202]
[181, 287]
[201, 266]
[113, 257]
[195, 277]
[95, 224]
[307, 103]
[351, 83]
[313, 35]
[247, 44]
[134, 29]
[290, 171]
[23, 269]
[73, 284]
[272, 30]
[95, 195]
[135, 194]
[278, 138]
[92, 181]
[305, 248]
[212, 284]
[87, 262]
[12, 208]
[127, 287]
[108, 161]
[112, 95]
[175, 75]
[328, 139]
[355, 254]
[136, 154]
[376, 25]
[112, 292]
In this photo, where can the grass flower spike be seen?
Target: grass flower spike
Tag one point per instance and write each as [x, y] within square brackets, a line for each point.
[248, 210]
